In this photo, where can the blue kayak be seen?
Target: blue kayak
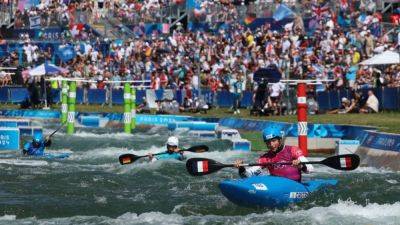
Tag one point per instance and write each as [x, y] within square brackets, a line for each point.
[56, 155]
[269, 191]
[51, 156]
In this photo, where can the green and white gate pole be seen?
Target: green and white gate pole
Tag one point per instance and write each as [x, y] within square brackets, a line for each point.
[71, 107]
[133, 108]
[127, 108]
[64, 101]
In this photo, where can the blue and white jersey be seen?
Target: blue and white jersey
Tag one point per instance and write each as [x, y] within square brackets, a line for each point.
[30, 150]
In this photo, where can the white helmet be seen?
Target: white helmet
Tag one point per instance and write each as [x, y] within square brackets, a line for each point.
[173, 141]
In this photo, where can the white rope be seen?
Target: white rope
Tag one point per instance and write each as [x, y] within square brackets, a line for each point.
[309, 82]
[95, 81]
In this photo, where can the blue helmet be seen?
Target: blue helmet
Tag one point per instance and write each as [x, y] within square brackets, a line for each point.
[271, 134]
[37, 137]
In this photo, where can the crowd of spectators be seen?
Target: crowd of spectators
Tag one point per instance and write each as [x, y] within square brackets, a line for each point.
[329, 47]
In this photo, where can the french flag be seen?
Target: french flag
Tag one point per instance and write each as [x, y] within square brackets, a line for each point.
[345, 162]
[202, 166]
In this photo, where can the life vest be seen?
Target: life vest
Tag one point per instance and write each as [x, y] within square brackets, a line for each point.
[287, 154]
[167, 155]
[39, 151]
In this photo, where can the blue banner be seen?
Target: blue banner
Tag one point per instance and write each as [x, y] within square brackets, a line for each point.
[66, 53]
[290, 129]
[381, 141]
[47, 34]
[9, 138]
[54, 33]
[42, 114]
[162, 120]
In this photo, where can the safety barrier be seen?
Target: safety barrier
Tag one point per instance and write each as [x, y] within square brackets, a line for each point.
[380, 150]
[96, 96]
[9, 139]
[290, 129]
[17, 95]
[388, 97]
[4, 96]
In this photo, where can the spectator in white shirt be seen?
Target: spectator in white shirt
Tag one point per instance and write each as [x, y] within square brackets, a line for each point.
[372, 104]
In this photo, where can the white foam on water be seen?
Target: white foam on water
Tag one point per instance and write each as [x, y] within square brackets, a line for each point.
[343, 212]
[138, 166]
[8, 217]
[155, 129]
[392, 181]
[148, 218]
[375, 170]
[145, 136]
[116, 135]
[180, 131]
[20, 162]
[349, 211]
[100, 199]
[60, 151]
[110, 152]
[119, 135]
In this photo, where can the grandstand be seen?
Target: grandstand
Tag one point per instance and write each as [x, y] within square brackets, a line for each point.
[207, 49]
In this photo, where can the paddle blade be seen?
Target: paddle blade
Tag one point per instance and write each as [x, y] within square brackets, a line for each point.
[127, 158]
[342, 162]
[202, 166]
[198, 148]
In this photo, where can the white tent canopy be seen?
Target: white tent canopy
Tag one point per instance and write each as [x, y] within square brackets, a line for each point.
[387, 57]
[46, 69]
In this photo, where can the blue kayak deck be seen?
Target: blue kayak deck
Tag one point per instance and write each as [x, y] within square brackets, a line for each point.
[270, 191]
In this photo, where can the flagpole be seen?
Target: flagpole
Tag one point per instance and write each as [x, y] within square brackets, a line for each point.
[45, 94]
[45, 88]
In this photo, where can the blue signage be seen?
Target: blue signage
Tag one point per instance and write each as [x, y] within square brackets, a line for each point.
[162, 120]
[90, 121]
[381, 141]
[9, 139]
[42, 114]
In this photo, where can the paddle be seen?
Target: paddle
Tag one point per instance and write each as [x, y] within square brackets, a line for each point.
[203, 166]
[54, 132]
[130, 158]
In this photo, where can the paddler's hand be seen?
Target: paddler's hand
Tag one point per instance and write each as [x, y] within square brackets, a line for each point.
[297, 163]
[238, 162]
[150, 156]
[47, 141]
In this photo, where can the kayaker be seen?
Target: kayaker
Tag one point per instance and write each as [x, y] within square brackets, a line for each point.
[277, 152]
[37, 146]
[173, 151]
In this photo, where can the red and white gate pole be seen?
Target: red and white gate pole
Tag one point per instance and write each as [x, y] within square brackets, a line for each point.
[302, 116]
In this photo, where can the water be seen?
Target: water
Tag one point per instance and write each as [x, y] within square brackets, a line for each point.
[91, 187]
